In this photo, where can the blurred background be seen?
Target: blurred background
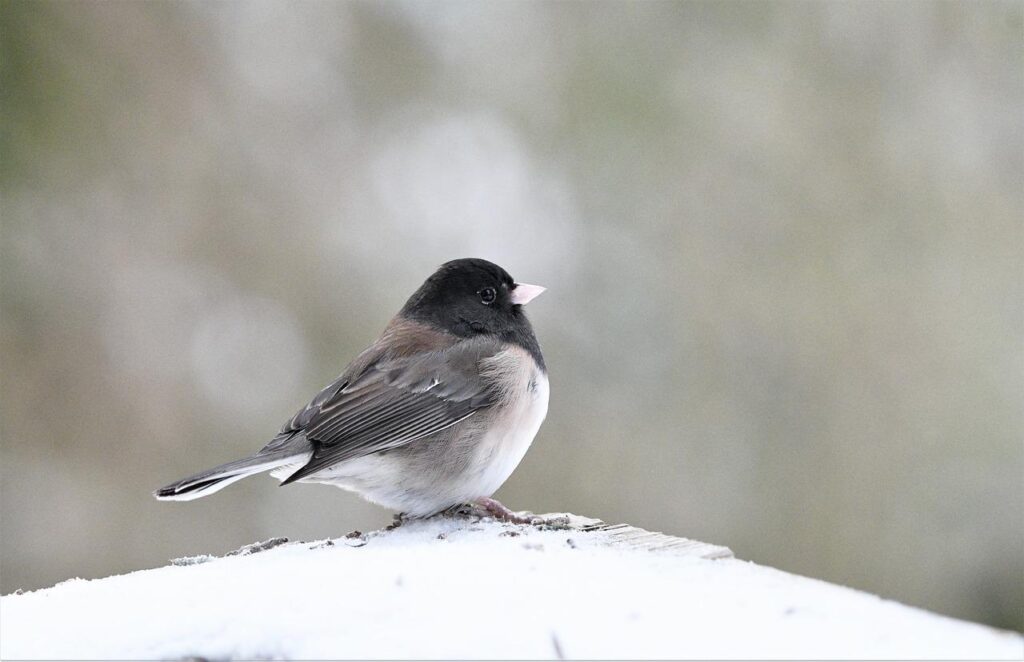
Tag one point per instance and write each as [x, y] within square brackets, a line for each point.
[783, 246]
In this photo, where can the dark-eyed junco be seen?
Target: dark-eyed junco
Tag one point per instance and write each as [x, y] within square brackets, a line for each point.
[437, 412]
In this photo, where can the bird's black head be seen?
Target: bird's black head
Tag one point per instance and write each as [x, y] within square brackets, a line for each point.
[469, 297]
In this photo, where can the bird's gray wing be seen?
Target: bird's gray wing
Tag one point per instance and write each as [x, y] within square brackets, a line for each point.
[392, 402]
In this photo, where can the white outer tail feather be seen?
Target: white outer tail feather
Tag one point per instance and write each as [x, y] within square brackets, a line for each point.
[229, 476]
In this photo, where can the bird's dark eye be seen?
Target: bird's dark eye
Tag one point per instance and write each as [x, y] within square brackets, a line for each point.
[487, 295]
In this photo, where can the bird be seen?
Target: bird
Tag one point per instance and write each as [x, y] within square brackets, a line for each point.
[435, 414]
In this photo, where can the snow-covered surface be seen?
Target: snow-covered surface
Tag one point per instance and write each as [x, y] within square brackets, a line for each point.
[448, 588]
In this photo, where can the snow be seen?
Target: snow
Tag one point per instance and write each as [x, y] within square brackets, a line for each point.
[447, 588]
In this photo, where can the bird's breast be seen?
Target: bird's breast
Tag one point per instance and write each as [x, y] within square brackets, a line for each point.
[523, 393]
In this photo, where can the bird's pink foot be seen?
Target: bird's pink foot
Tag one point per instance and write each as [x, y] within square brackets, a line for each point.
[488, 507]
[499, 511]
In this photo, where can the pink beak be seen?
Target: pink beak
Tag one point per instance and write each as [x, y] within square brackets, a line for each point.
[524, 293]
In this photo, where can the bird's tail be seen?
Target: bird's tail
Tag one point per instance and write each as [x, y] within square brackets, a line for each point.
[207, 482]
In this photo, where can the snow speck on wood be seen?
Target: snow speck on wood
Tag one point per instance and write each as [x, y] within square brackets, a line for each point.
[458, 588]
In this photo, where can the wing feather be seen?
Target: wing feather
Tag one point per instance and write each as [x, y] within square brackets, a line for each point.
[392, 402]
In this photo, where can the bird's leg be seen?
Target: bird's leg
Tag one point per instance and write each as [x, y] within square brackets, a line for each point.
[488, 507]
[498, 510]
